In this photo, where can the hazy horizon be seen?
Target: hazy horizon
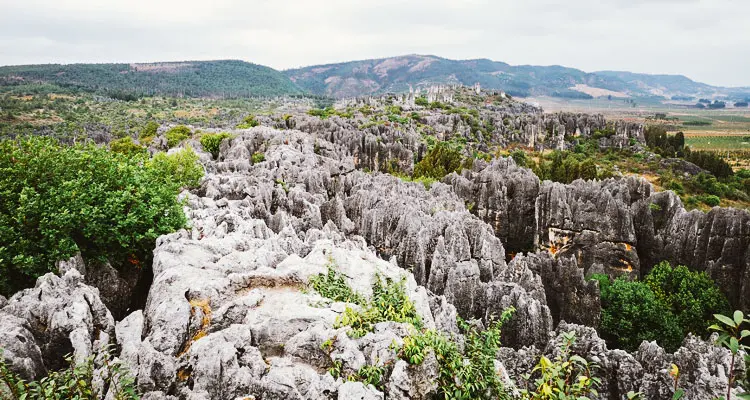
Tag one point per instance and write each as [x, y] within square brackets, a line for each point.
[707, 41]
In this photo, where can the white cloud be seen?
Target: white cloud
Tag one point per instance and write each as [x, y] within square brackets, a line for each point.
[707, 40]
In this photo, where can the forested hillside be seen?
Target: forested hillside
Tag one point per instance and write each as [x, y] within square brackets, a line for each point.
[396, 74]
[219, 79]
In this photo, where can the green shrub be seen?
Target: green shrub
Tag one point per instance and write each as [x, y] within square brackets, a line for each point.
[632, 313]
[258, 158]
[127, 147]
[212, 141]
[333, 285]
[519, 156]
[57, 200]
[691, 296]
[710, 200]
[440, 161]
[248, 122]
[467, 373]
[149, 130]
[177, 135]
[75, 382]
[389, 302]
[568, 377]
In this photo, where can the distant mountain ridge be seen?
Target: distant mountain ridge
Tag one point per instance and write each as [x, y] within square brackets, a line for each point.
[396, 74]
[224, 78]
[232, 79]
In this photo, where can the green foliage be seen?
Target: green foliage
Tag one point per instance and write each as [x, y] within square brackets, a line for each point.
[258, 158]
[371, 375]
[333, 285]
[149, 130]
[127, 147]
[226, 79]
[73, 383]
[177, 135]
[440, 161]
[249, 122]
[711, 162]
[632, 313]
[566, 167]
[57, 200]
[421, 101]
[327, 112]
[691, 296]
[519, 156]
[568, 377]
[211, 142]
[464, 374]
[733, 338]
[666, 306]
[389, 302]
[661, 143]
[179, 170]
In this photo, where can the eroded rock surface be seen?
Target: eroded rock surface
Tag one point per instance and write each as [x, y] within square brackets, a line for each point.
[230, 314]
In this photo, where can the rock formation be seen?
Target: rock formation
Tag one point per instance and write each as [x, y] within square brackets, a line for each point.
[230, 315]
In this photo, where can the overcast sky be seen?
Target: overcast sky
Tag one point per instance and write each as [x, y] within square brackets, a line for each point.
[707, 40]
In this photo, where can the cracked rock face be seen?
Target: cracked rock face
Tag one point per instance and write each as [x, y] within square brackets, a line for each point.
[230, 314]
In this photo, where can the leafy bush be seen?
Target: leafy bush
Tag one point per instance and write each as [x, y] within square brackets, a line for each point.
[177, 135]
[733, 338]
[632, 313]
[212, 141]
[389, 303]
[258, 158]
[74, 382]
[333, 286]
[440, 161]
[467, 373]
[710, 200]
[57, 200]
[149, 130]
[126, 146]
[248, 122]
[568, 377]
[179, 170]
[691, 296]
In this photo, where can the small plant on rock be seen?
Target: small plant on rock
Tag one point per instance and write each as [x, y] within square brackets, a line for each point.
[568, 377]
[731, 336]
[212, 141]
[467, 373]
[74, 382]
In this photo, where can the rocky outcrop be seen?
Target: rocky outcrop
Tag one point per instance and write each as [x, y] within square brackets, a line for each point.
[60, 316]
[703, 367]
[229, 313]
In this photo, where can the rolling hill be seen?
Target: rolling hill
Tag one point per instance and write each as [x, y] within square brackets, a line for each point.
[227, 78]
[396, 74]
[234, 79]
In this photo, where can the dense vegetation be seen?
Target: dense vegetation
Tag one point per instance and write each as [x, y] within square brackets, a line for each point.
[466, 371]
[128, 82]
[668, 304]
[76, 382]
[57, 200]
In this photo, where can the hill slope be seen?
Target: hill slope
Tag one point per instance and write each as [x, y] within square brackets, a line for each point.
[396, 74]
[226, 78]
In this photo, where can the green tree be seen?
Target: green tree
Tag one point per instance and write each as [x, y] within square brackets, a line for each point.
[439, 162]
[177, 135]
[691, 296]
[632, 313]
[56, 200]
